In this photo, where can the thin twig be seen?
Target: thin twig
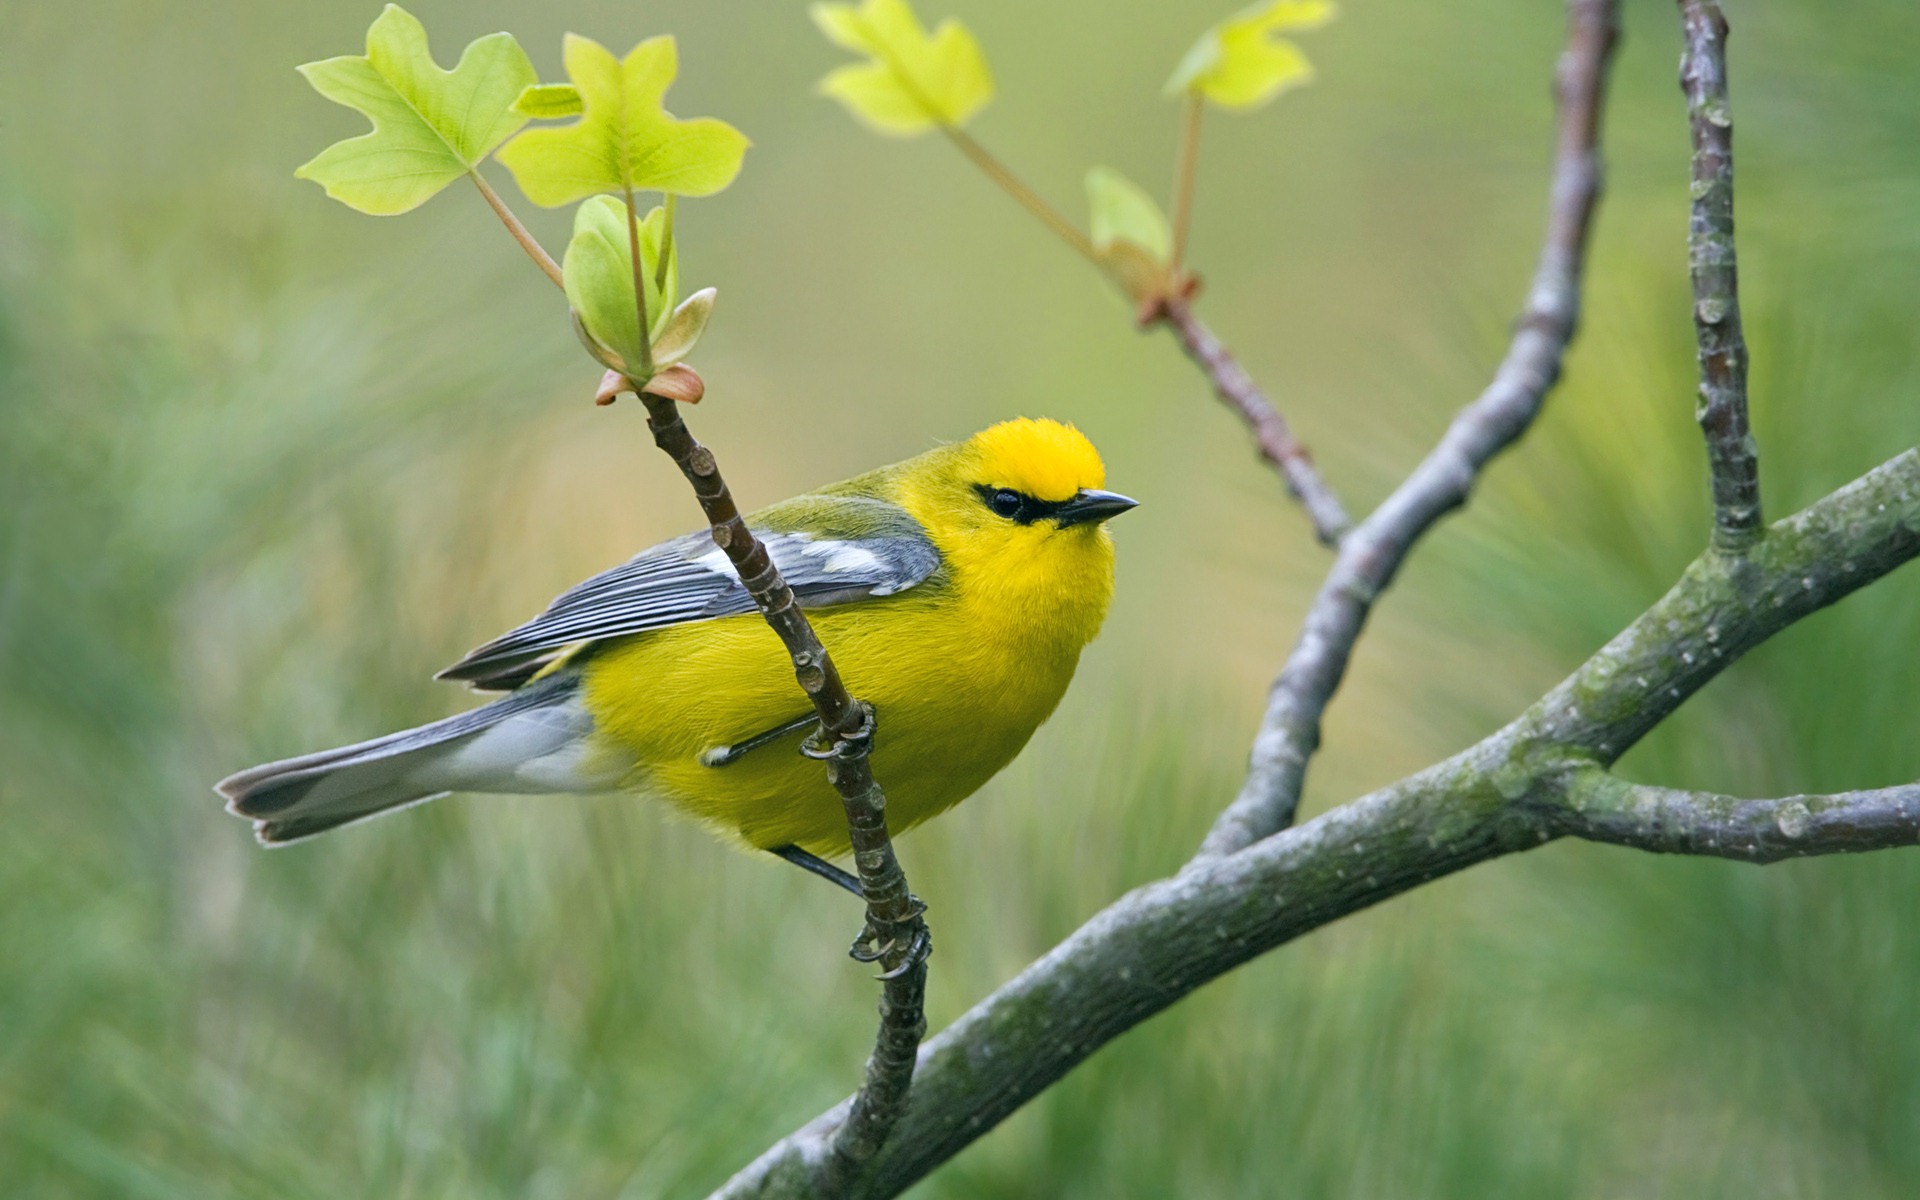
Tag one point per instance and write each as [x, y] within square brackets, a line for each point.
[1370, 556]
[895, 926]
[1722, 407]
[521, 234]
[1517, 789]
[1271, 434]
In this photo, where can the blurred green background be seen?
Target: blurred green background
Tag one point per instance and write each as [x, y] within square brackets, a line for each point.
[265, 464]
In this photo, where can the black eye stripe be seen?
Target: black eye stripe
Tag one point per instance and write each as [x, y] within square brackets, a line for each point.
[1017, 507]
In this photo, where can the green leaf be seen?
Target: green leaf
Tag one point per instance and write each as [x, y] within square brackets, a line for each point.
[624, 140]
[598, 269]
[549, 102]
[1240, 64]
[1131, 236]
[429, 126]
[912, 81]
[1123, 212]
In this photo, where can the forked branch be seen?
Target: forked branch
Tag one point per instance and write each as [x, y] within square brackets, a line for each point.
[1533, 781]
[1371, 555]
[1257, 883]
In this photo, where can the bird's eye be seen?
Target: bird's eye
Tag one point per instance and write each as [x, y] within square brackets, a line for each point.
[1005, 502]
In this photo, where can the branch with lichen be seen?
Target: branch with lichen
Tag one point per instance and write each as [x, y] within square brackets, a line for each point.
[1540, 778]
[1258, 884]
[1604, 808]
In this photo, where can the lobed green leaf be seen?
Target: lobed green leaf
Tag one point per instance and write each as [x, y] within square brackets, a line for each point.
[430, 126]
[625, 139]
[913, 81]
[1241, 64]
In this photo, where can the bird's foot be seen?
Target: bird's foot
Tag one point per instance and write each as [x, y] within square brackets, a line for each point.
[873, 946]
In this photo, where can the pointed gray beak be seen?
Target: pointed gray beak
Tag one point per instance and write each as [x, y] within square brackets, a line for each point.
[1092, 504]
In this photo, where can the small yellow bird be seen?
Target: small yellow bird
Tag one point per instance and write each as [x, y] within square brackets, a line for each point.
[955, 591]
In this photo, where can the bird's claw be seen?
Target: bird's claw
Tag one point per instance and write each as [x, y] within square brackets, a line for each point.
[821, 745]
[868, 948]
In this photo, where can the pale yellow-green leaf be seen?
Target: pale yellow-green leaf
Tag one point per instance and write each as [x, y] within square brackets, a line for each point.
[683, 329]
[1131, 236]
[1241, 63]
[598, 269]
[1123, 212]
[429, 126]
[625, 139]
[912, 81]
[549, 102]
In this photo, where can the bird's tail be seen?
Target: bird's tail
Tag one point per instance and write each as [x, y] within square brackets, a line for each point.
[536, 739]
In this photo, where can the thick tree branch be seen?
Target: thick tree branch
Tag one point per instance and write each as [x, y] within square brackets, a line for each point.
[1722, 408]
[1370, 556]
[1271, 434]
[896, 933]
[1605, 808]
[1525, 785]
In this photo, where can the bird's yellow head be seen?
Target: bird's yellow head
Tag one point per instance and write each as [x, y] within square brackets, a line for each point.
[1019, 511]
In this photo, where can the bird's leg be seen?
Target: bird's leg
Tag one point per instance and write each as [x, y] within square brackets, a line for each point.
[867, 947]
[820, 866]
[720, 756]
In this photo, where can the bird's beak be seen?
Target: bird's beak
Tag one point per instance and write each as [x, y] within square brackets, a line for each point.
[1092, 504]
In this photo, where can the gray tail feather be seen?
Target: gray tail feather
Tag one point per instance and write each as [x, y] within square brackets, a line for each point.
[297, 798]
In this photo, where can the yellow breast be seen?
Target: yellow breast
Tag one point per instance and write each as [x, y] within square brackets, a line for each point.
[960, 673]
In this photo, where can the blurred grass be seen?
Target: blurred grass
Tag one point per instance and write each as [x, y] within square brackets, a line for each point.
[264, 466]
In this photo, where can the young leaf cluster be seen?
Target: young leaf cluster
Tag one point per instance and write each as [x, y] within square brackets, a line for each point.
[432, 126]
[911, 82]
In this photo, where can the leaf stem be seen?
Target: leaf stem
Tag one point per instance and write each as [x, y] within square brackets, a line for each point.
[995, 170]
[1185, 163]
[666, 248]
[534, 250]
[1025, 196]
[639, 289]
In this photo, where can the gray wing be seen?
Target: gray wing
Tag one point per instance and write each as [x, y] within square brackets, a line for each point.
[690, 579]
